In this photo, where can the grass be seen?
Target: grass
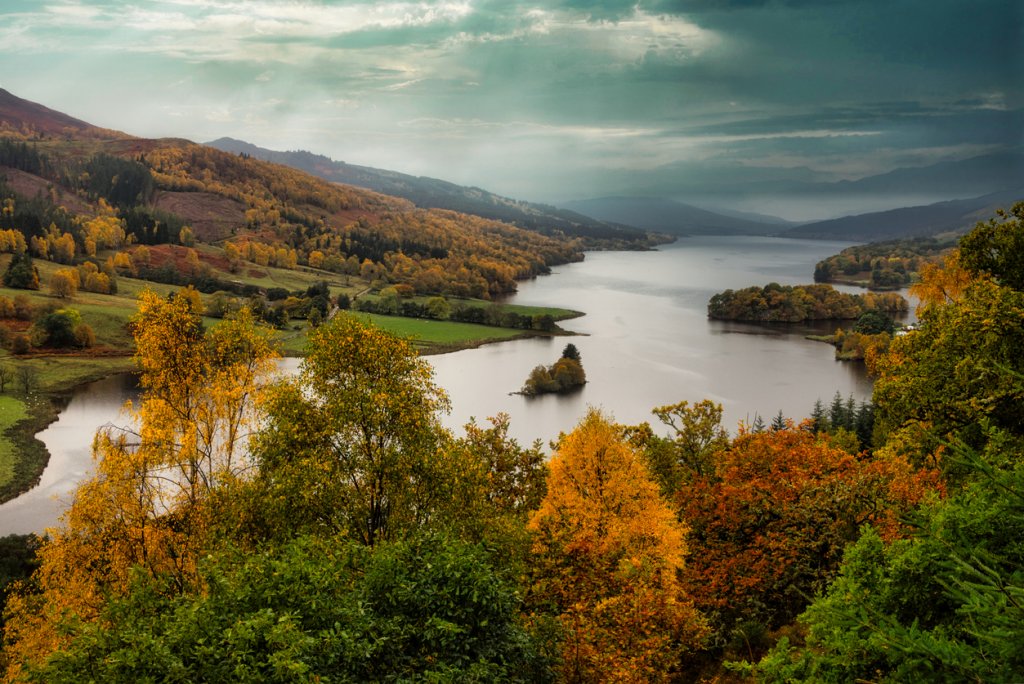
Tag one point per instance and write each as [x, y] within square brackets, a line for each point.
[12, 410]
[558, 314]
[440, 334]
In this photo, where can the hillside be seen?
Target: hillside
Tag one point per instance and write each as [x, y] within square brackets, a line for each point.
[434, 193]
[669, 216]
[955, 216]
[31, 120]
[266, 213]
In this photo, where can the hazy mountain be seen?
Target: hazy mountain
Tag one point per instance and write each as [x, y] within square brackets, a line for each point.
[669, 216]
[439, 194]
[933, 219]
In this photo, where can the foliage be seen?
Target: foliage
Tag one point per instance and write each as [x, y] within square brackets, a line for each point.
[146, 505]
[792, 304]
[946, 604]
[361, 421]
[565, 375]
[995, 248]
[432, 609]
[888, 264]
[607, 553]
[61, 329]
[21, 273]
[769, 525]
[957, 369]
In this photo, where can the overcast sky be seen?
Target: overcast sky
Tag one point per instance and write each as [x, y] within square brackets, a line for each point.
[543, 100]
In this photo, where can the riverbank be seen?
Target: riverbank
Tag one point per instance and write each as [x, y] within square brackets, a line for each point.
[23, 415]
[53, 378]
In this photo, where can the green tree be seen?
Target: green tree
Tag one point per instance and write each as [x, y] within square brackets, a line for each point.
[439, 308]
[996, 248]
[360, 420]
[431, 609]
[21, 272]
[947, 604]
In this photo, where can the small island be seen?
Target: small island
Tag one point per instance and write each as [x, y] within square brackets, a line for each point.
[564, 376]
[776, 303]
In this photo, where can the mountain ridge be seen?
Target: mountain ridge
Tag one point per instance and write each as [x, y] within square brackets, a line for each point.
[435, 193]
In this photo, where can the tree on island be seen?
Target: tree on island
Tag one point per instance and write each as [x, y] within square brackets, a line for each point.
[564, 375]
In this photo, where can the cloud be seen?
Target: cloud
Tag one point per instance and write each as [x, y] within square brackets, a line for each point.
[545, 98]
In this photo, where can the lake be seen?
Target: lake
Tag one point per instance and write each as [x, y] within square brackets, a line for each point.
[645, 341]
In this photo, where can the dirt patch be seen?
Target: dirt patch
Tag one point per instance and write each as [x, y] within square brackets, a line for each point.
[211, 216]
[30, 185]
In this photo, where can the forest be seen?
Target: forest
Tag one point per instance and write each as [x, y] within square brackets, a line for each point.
[776, 303]
[327, 528]
[882, 265]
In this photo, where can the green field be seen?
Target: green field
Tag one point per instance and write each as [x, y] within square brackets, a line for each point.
[11, 411]
[446, 334]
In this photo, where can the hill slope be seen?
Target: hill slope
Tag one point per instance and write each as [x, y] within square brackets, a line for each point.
[439, 194]
[934, 219]
[30, 119]
[252, 210]
[669, 216]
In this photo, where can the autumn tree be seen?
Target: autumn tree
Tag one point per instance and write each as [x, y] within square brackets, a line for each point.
[64, 283]
[360, 420]
[146, 506]
[769, 523]
[608, 550]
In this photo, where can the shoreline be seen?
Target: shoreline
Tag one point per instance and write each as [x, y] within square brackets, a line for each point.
[43, 407]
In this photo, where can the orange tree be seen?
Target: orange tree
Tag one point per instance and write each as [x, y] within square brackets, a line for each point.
[607, 553]
[769, 525]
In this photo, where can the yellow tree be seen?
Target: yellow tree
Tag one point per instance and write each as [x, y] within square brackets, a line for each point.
[146, 506]
[608, 551]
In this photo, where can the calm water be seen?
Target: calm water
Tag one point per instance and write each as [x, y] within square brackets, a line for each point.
[645, 342]
[649, 343]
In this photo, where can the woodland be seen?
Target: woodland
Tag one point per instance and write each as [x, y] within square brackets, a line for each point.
[327, 528]
[776, 303]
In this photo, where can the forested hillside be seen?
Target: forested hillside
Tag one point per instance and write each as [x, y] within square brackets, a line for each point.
[360, 540]
[438, 194]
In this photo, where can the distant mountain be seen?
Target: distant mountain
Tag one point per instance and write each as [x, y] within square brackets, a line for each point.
[934, 219]
[973, 177]
[32, 119]
[669, 216]
[433, 193]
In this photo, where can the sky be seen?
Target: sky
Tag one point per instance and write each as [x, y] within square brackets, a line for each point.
[545, 101]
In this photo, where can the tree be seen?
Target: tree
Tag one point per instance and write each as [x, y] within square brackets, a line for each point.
[21, 272]
[27, 377]
[439, 308]
[607, 552]
[697, 434]
[57, 329]
[996, 248]
[769, 524]
[147, 506]
[571, 352]
[361, 419]
[944, 604]
[63, 284]
[431, 609]
[6, 377]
